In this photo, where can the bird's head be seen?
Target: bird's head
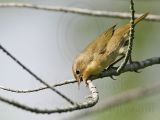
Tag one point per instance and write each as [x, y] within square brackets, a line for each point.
[79, 69]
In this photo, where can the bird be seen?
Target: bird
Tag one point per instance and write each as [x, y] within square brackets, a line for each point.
[102, 52]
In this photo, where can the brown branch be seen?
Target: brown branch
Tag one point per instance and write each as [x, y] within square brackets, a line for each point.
[111, 14]
[38, 89]
[34, 75]
[131, 38]
[123, 98]
[128, 68]
[89, 103]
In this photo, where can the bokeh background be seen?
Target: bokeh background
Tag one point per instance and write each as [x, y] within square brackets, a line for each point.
[47, 42]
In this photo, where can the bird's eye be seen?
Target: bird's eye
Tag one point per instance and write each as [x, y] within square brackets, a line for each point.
[77, 71]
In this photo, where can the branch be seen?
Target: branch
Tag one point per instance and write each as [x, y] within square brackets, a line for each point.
[34, 75]
[131, 38]
[128, 68]
[122, 98]
[111, 14]
[89, 103]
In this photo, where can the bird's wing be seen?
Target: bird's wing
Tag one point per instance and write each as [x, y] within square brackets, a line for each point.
[99, 44]
[104, 40]
[98, 47]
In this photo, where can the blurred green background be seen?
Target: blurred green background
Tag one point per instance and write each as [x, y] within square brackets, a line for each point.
[47, 42]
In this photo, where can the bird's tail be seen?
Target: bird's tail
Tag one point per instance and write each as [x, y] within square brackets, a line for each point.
[137, 20]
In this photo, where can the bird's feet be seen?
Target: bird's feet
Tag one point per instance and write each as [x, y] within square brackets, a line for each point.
[134, 62]
[111, 68]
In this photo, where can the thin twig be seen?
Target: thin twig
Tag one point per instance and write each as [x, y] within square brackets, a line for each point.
[38, 89]
[82, 11]
[122, 98]
[89, 103]
[34, 75]
[128, 68]
[131, 38]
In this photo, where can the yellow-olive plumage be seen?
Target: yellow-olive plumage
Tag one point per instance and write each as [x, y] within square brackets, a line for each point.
[102, 52]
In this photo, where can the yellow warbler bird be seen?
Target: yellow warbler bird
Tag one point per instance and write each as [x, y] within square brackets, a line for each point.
[102, 52]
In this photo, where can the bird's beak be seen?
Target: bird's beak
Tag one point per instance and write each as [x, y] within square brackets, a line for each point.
[79, 79]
